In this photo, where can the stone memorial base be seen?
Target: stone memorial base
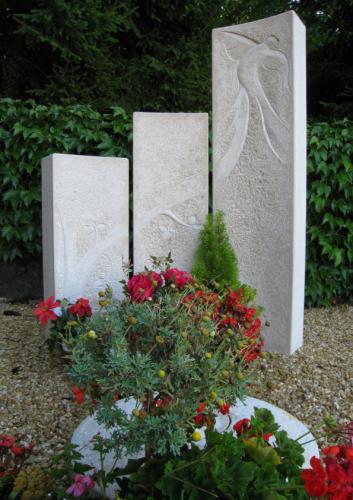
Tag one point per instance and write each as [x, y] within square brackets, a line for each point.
[89, 427]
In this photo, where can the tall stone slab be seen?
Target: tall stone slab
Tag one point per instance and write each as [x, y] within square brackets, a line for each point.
[259, 144]
[85, 217]
[170, 178]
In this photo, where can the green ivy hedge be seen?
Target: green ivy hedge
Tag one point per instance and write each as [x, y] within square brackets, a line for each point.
[29, 131]
[329, 266]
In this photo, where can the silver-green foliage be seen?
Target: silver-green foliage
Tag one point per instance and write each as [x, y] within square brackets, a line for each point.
[135, 341]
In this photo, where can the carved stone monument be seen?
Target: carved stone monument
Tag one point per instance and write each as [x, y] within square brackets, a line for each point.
[259, 144]
[85, 216]
[170, 177]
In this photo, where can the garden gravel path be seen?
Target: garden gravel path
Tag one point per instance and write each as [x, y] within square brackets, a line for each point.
[35, 395]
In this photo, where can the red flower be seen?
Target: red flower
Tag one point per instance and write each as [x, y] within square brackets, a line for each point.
[254, 329]
[45, 310]
[199, 419]
[253, 352]
[81, 308]
[228, 322]
[142, 286]
[233, 298]
[349, 454]
[242, 426]
[79, 394]
[340, 484]
[332, 451]
[315, 479]
[18, 450]
[224, 409]
[267, 436]
[178, 277]
[201, 407]
[6, 440]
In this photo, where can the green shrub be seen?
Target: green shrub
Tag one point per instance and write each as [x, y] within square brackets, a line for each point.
[29, 132]
[215, 258]
[329, 266]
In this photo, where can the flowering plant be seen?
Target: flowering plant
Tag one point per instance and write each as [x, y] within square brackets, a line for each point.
[14, 451]
[257, 461]
[64, 318]
[176, 349]
[331, 477]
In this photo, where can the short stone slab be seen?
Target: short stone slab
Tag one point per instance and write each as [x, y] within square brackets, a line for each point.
[89, 427]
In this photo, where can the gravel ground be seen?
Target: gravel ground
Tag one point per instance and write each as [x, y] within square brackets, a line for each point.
[35, 395]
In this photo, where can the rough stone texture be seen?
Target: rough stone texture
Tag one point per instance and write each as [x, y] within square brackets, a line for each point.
[170, 185]
[85, 224]
[89, 427]
[259, 145]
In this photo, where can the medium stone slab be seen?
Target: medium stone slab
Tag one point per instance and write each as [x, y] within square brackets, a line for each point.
[89, 427]
[85, 218]
[170, 185]
[259, 144]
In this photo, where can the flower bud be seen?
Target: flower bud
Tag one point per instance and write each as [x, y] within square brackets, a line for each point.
[161, 373]
[91, 334]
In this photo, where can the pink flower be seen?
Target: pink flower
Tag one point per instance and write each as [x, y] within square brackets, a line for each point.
[81, 485]
[178, 277]
[46, 310]
[81, 308]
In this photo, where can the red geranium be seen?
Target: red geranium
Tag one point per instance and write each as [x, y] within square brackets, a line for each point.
[242, 426]
[79, 394]
[6, 440]
[315, 479]
[178, 277]
[18, 450]
[81, 308]
[45, 310]
[142, 286]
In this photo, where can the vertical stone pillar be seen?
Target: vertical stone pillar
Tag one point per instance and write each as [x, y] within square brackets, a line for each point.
[85, 217]
[259, 144]
[170, 177]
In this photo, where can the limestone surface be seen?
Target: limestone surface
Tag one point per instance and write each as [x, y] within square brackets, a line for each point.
[259, 163]
[85, 224]
[89, 428]
[170, 180]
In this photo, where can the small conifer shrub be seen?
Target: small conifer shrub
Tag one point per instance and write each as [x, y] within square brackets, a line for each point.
[215, 259]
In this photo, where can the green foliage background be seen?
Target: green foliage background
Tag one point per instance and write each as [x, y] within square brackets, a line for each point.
[28, 133]
[156, 54]
[329, 263]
